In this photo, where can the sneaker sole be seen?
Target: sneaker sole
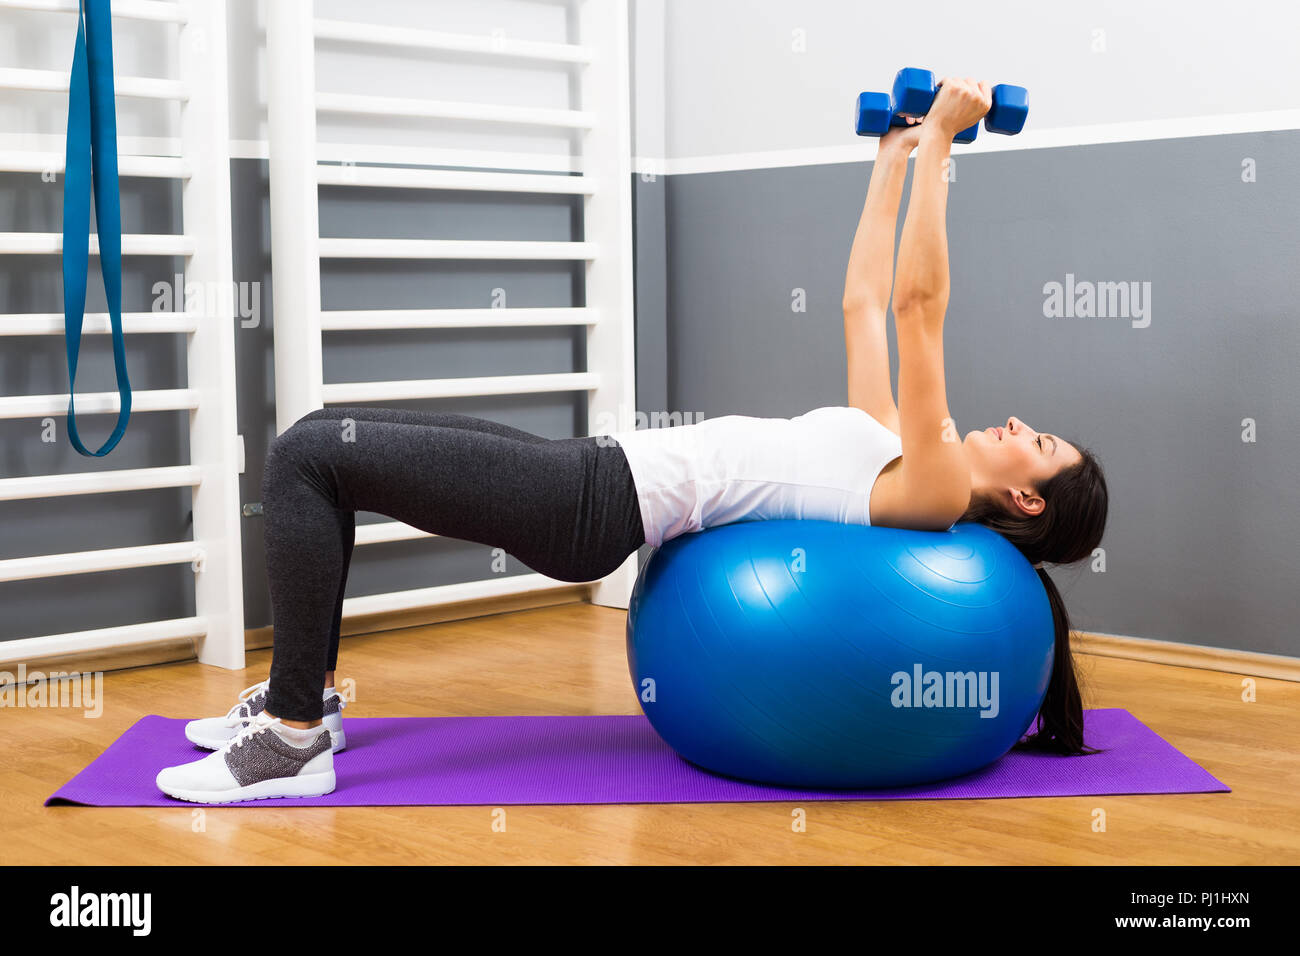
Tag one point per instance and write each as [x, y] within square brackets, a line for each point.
[311, 785]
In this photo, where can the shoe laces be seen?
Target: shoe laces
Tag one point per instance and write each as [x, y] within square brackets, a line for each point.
[250, 730]
[242, 710]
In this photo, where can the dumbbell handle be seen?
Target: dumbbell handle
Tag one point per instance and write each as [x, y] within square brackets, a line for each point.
[1006, 114]
[964, 136]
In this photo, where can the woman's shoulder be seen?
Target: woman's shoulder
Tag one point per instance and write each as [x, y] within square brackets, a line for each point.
[895, 503]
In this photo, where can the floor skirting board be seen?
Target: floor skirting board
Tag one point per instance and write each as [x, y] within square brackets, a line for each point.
[1249, 663]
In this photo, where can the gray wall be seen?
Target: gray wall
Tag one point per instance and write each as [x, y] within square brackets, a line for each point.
[1201, 540]
[649, 209]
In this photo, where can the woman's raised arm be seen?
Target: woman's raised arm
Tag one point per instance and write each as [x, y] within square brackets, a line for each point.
[934, 476]
[869, 279]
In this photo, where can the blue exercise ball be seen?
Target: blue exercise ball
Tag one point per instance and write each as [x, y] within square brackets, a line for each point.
[826, 655]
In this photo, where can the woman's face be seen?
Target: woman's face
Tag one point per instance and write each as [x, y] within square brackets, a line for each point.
[1011, 460]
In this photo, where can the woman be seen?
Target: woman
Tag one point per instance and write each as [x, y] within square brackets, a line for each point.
[576, 508]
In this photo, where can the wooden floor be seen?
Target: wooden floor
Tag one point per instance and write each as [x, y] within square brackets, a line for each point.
[570, 660]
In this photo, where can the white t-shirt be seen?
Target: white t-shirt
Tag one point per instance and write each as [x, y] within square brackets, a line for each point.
[820, 465]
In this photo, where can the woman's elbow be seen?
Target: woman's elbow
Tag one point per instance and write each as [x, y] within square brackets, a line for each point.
[862, 301]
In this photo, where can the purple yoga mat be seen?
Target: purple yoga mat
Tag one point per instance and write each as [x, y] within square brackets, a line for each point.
[500, 761]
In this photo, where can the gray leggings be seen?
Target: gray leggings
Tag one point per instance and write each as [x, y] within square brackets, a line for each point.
[565, 507]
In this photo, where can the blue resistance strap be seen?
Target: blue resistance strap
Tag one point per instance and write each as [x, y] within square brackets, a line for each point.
[92, 140]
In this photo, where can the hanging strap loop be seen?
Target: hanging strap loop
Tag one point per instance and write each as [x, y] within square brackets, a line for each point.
[91, 162]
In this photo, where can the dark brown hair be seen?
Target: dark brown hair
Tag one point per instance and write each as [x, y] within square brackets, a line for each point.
[1067, 530]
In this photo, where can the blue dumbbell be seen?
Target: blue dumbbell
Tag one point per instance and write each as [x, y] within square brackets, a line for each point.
[913, 95]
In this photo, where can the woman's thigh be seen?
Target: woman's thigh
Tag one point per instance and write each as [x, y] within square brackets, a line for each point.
[564, 508]
[378, 413]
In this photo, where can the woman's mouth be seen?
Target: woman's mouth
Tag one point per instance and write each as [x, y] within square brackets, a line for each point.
[997, 432]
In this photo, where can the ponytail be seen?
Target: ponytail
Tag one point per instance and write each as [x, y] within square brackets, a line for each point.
[1059, 725]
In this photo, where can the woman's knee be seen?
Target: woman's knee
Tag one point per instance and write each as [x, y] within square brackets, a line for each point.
[305, 442]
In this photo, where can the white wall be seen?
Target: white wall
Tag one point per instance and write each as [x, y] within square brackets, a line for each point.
[735, 78]
[756, 76]
[647, 23]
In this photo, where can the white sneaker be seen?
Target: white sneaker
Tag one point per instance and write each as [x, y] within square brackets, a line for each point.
[213, 733]
[255, 764]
